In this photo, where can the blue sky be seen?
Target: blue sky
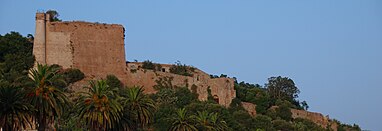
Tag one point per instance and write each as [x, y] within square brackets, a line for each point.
[330, 48]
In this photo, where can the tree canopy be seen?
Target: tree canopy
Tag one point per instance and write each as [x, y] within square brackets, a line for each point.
[282, 88]
[53, 15]
[15, 57]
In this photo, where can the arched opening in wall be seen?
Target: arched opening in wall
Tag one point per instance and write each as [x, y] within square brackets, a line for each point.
[163, 70]
[216, 99]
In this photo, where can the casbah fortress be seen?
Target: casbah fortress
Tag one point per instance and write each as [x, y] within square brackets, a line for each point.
[98, 50]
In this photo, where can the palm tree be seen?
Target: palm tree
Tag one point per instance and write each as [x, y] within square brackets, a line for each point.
[203, 120]
[48, 100]
[216, 123]
[210, 121]
[138, 107]
[127, 122]
[15, 111]
[99, 107]
[182, 122]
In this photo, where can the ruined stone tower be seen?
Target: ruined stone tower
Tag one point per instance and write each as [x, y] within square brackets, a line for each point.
[39, 47]
[96, 49]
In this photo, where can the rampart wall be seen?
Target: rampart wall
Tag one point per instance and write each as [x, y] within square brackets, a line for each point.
[98, 50]
[318, 118]
[315, 117]
[221, 88]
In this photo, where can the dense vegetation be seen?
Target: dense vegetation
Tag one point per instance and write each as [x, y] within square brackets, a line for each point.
[40, 97]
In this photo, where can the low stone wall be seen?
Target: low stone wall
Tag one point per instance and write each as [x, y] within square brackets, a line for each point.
[249, 107]
[221, 88]
[318, 118]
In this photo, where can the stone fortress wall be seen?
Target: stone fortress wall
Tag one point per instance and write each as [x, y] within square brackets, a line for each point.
[318, 118]
[95, 49]
[222, 89]
[98, 50]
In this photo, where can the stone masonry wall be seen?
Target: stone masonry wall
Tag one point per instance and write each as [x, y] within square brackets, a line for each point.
[59, 50]
[98, 50]
[317, 118]
[222, 88]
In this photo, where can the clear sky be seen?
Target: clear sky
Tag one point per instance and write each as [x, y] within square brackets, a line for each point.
[332, 49]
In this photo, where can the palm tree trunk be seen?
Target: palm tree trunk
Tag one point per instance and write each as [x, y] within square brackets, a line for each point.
[41, 127]
[42, 124]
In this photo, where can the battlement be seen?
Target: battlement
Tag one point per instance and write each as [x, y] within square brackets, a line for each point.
[41, 16]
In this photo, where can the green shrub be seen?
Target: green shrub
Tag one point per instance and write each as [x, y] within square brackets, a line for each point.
[161, 118]
[151, 66]
[253, 93]
[243, 121]
[236, 104]
[306, 125]
[271, 113]
[164, 82]
[214, 76]
[346, 127]
[263, 122]
[223, 76]
[72, 75]
[165, 97]
[180, 69]
[148, 65]
[283, 111]
[185, 96]
[282, 125]
[113, 81]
